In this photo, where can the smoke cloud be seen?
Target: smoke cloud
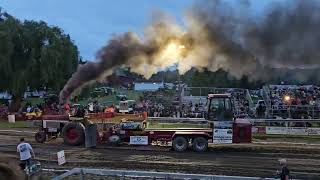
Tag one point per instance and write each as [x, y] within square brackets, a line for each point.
[288, 36]
[216, 35]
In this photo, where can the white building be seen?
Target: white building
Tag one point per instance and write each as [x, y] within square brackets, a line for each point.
[148, 86]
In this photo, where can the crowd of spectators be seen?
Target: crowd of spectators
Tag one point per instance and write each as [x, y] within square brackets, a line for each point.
[294, 95]
[190, 110]
[285, 101]
[295, 101]
[158, 105]
[241, 102]
[196, 108]
[3, 111]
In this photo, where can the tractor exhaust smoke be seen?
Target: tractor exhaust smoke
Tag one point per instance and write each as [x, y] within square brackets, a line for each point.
[216, 35]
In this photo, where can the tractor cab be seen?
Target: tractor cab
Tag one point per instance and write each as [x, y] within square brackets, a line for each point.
[226, 129]
[220, 107]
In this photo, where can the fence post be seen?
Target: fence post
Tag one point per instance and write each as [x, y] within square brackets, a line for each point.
[289, 109]
[167, 177]
[313, 107]
[123, 177]
[81, 174]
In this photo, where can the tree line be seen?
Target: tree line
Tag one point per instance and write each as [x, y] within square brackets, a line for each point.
[33, 54]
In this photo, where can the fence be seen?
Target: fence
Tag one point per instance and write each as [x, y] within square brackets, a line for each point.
[177, 120]
[295, 111]
[204, 91]
[248, 97]
[266, 97]
[148, 174]
[202, 120]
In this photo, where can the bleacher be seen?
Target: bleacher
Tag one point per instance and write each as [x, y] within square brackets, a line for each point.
[241, 98]
[292, 101]
[270, 102]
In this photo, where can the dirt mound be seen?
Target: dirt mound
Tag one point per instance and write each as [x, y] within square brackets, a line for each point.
[10, 169]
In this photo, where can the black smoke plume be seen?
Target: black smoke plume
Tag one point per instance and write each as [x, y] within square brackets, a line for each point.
[216, 35]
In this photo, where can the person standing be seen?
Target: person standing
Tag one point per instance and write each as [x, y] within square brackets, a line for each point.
[25, 150]
[90, 107]
[29, 109]
[285, 173]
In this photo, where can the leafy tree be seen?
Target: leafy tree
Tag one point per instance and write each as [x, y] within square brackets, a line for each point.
[219, 78]
[34, 55]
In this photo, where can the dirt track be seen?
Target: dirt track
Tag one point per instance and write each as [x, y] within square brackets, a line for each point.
[240, 160]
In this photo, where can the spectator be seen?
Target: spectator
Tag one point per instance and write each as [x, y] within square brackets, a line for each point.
[285, 173]
[67, 107]
[90, 107]
[110, 109]
[29, 109]
[25, 150]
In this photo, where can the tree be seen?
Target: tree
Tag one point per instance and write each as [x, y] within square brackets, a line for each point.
[34, 55]
[219, 78]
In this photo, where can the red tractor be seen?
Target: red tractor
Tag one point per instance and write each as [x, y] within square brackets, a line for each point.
[132, 129]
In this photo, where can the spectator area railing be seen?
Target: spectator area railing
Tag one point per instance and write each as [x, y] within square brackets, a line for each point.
[204, 91]
[248, 97]
[296, 111]
[288, 111]
[267, 100]
[129, 174]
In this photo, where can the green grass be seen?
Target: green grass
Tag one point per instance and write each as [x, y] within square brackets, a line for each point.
[104, 100]
[18, 124]
[34, 101]
[111, 99]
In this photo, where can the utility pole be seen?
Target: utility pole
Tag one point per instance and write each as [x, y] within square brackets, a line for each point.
[179, 90]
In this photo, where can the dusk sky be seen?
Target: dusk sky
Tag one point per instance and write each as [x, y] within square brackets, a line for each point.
[92, 23]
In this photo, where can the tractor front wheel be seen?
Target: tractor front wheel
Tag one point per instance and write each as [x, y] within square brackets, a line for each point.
[40, 137]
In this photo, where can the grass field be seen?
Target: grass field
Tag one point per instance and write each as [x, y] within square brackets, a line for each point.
[34, 101]
[104, 100]
[112, 99]
[18, 124]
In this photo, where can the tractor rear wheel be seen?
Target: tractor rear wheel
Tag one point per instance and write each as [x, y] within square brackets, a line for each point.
[200, 144]
[73, 133]
[180, 143]
[40, 137]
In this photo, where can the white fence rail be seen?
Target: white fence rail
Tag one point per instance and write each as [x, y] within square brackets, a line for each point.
[198, 120]
[148, 174]
[176, 120]
[284, 120]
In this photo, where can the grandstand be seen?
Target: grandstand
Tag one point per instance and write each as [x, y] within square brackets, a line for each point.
[292, 101]
[272, 101]
[241, 98]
